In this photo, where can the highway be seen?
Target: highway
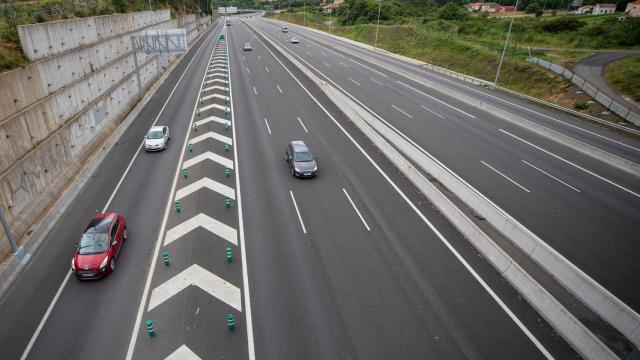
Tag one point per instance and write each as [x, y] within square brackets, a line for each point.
[584, 209]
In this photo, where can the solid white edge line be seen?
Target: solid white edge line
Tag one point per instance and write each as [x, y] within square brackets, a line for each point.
[572, 164]
[147, 286]
[473, 273]
[356, 209]
[243, 249]
[505, 176]
[43, 321]
[402, 111]
[267, 123]
[302, 124]
[436, 99]
[431, 111]
[293, 199]
[551, 176]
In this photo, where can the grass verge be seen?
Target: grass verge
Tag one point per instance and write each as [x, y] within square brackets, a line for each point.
[624, 76]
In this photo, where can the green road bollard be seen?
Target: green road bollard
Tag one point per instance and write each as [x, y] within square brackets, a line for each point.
[226, 90]
[226, 147]
[229, 256]
[227, 202]
[198, 113]
[152, 332]
[178, 208]
[231, 322]
[226, 99]
[190, 147]
[195, 126]
[226, 111]
[185, 173]
[227, 171]
[165, 258]
[201, 101]
[204, 91]
[226, 126]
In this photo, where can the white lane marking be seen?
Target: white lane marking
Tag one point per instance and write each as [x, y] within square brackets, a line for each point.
[47, 313]
[213, 106]
[376, 81]
[551, 176]
[304, 230]
[278, 86]
[431, 111]
[505, 176]
[242, 57]
[574, 165]
[216, 87]
[147, 285]
[214, 96]
[266, 68]
[197, 276]
[212, 119]
[211, 135]
[438, 100]
[208, 223]
[267, 123]
[259, 58]
[214, 74]
[208, 156]
[226, 82]
[255, 91]
[205, 182]
[301, 123]
[245, 273]
[325, 64]
[464, 263]
[343, 64]
[356, 209]
[248, 72]
[355, 82]
[183, 353]
[402, 111]
[369, 68]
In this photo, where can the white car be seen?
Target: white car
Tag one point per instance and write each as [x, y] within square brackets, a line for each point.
[157, 138]
[285, 29]
[247, 47]
[295, 40]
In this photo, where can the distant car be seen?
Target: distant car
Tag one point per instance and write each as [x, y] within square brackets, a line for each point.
[99, 246]
[157, 138]
[228, 22]
[285, 29]
[247, 47]
[302, 162]
[295, 40]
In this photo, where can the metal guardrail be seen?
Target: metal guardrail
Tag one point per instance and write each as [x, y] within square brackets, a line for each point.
[595, 93]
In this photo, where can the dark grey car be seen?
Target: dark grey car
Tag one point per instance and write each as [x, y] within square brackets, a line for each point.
[300, 159]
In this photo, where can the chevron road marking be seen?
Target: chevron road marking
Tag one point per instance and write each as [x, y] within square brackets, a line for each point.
[216, 74]
[211, 135]
[216, 87]
[197, 276]
[212, 118]
[206, 183]
[218, 61]
[183, 353]
[208, 156]
[201, 220]
[214, 106]
[214, 96]
[216, 80]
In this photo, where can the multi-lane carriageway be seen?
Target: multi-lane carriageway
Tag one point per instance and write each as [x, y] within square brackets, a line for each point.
[352, 264]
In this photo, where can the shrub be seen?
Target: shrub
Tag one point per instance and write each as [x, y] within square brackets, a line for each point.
[562, 24]
[451, 11]
[119, 5]
[581, 106]
[10, 35]
[533, 8]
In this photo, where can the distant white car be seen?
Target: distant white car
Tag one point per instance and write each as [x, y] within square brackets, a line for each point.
[157, 138]
[247, 47]
[295, 40]
[285, 29]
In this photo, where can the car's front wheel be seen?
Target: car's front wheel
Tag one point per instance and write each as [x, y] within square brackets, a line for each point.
[112, 264]
[125, 235]
[293, 172]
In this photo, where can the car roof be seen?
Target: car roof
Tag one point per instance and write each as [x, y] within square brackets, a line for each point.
[101, 223]
[299, 145]
[156, 128]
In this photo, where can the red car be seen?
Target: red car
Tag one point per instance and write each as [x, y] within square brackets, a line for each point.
[99, 246]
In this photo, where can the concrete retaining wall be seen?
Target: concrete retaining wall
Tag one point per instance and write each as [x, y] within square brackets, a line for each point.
[55, 111]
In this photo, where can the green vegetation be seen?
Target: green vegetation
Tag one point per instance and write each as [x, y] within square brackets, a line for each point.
[624, 76]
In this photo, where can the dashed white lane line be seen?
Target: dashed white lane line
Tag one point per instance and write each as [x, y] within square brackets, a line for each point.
[431, 111]
[344, 64]
[255, 91]
[248, 72]
[304, 230]
[325, 64]
[369, 68]
[377, 82]
[278, 86]
[267, 123]
[435, 99]
[551, 176]
[302, 124]
[402, 111]
[242, 57]
[259, 58]
[353, 81]
[266, 68]
[356, 209]
[572, 164]
[505, 176]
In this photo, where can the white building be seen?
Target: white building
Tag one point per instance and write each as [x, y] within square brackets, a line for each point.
[601, 9]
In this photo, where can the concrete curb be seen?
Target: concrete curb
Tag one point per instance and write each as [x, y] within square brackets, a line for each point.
[11, 268]
[576, 334]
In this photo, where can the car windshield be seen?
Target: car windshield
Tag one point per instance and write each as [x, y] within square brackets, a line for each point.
[93, 242]
[303, 156]
[156, 134]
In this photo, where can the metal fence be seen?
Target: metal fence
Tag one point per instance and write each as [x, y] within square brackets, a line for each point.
[621, 110]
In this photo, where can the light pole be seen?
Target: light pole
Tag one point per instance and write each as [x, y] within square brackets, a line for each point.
[19, 252]
[330, 23]
[504, 49]
[149, 5]
[304, 11]
[375, 44]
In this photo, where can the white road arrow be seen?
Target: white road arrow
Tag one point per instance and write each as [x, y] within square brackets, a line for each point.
[201, 220]
[211, 135]
[206, 183]
[183, 353]
[208, 156]
[197, 276]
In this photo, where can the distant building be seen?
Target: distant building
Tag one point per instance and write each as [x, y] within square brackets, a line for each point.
[509, 9]
[330, 8]
[587, 9]
[489, 7]
[633, 9]
[475, 7]
[601, 9]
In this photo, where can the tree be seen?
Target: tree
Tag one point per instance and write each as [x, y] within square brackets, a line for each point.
[533, 8]
[119, 5]
[451, 11]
